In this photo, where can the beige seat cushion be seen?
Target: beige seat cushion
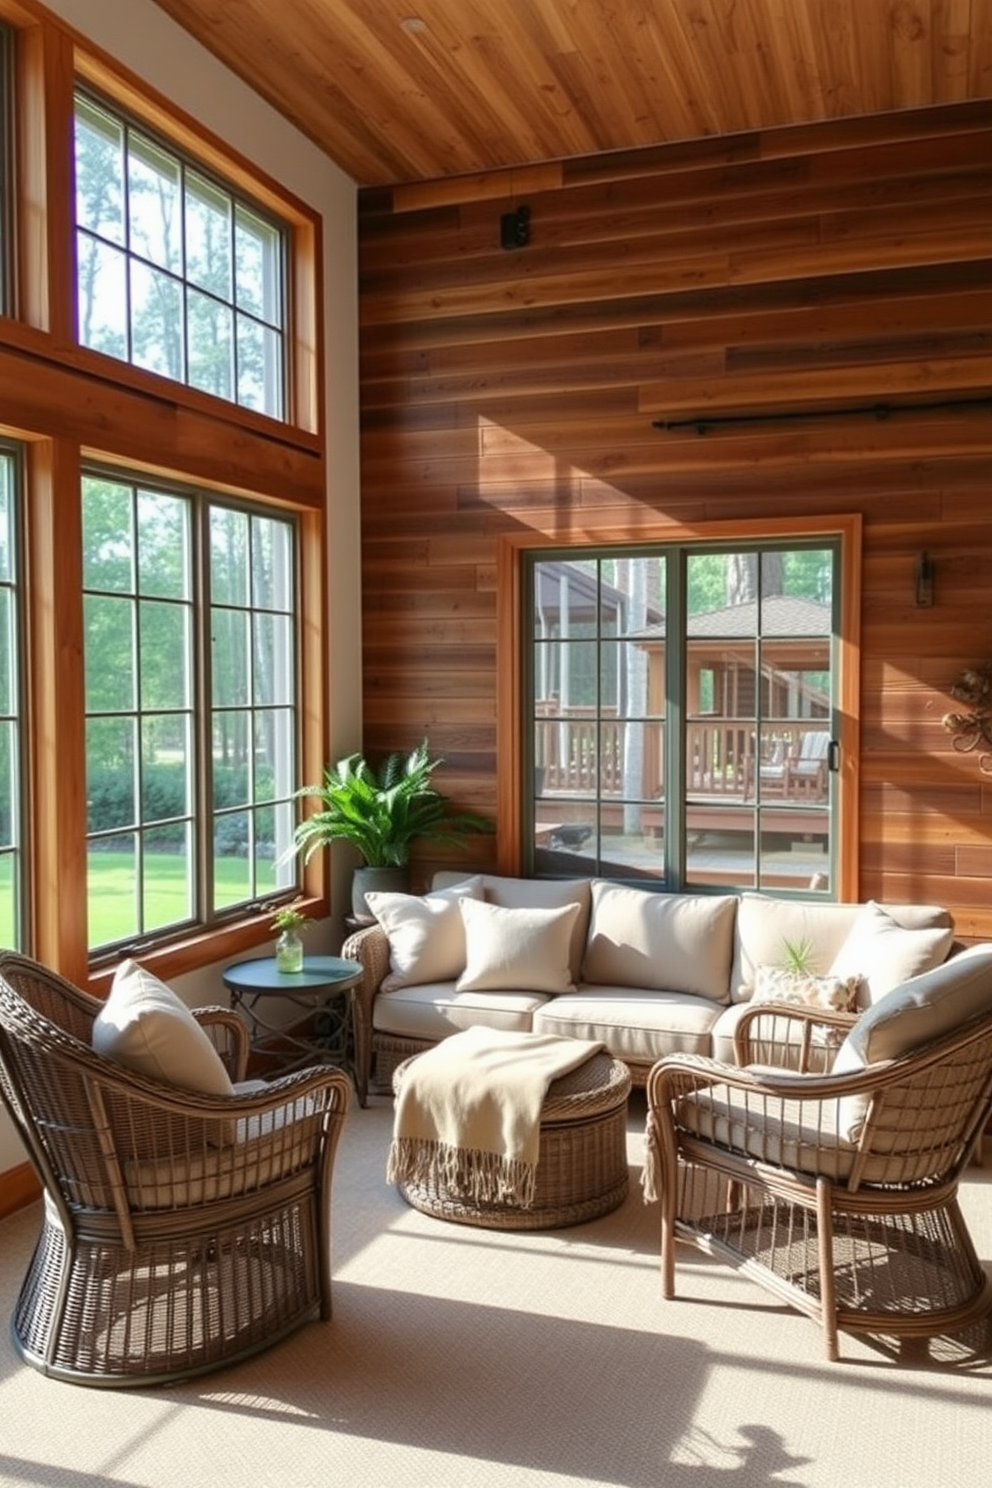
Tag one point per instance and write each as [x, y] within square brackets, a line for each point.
[435, 1010]
[144, 1026]
[523, 950]
[426, 934]
[672, 942]
[805, 1137]
[259, 1150]
[638, 1026]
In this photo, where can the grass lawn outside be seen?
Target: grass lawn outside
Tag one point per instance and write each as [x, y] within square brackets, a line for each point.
[112, 891]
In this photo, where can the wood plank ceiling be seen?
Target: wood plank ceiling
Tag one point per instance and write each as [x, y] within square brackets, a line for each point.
[397, 91]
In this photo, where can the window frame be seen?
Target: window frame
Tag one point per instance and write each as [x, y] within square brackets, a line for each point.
[8, 178]
[18, 848]
[187, 165]
[69, 407]
[514, 748]
[200, 710]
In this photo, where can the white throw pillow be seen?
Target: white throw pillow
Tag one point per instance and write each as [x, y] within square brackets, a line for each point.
[144, 1026]
[884, 954]
[425, 933]
[516, 950]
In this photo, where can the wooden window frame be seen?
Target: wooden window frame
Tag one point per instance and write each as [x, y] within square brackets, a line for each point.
[512, 668]
[70, 407]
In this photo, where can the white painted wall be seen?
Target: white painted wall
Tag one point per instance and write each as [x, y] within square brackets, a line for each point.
[152, 46]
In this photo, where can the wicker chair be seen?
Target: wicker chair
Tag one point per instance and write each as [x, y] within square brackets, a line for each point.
[180, 1231]
[858, 1228]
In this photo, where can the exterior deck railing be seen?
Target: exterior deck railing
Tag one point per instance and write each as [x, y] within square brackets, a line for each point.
[583, 755]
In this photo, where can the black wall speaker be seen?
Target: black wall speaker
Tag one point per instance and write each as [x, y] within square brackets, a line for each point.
[514, 228]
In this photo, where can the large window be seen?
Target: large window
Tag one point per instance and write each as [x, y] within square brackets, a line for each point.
[682, 706]
[11, 864]
[6, 173]
[191, 706]
[176, 272]
[162, 532]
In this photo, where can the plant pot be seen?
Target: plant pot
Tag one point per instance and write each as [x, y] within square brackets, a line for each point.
[381, 880]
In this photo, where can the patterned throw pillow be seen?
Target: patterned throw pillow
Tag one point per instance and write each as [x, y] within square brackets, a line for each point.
[835, 994]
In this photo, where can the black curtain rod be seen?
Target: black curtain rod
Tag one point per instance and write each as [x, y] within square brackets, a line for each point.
[702, 423]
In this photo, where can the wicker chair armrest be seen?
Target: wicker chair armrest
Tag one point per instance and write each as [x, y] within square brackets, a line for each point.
[229, 1035]
[176, 1101]
[768, 1023]
[677, 1075]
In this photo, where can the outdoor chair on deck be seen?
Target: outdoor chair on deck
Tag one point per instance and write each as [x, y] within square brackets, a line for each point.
[805, 774]
[181, 1230]
[838, 1190]
[793, 773]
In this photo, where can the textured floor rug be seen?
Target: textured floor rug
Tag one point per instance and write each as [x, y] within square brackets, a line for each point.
[464, 1357]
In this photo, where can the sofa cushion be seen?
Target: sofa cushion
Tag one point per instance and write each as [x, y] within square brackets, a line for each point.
[885, 953]
[434, 1010]
[426, 933]
[144, 1026]
[765, 924]
[636, 1026]
[671, 942]
[522, 950]
[912, 1015]
[536, 893]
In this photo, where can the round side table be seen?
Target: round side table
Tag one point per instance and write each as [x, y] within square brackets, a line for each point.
[324, 992]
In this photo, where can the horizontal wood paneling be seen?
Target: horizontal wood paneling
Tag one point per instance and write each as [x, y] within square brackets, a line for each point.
[509, 393]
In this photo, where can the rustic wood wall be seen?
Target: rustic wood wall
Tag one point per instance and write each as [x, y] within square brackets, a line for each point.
[508, 391]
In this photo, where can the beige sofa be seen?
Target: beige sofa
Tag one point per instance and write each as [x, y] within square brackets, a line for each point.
[646, 973]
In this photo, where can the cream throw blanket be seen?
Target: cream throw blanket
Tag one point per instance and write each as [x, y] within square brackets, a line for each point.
[468, 1113]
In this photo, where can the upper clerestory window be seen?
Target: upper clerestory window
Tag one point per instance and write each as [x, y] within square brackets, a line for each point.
[176, 272]
[6, 172]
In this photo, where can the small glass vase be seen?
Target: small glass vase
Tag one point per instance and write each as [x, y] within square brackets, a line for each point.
[289, 952]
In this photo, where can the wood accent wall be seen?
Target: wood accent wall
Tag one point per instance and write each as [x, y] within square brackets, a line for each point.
[505, 392]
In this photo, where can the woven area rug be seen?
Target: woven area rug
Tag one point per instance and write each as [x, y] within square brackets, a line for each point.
[465, 1358]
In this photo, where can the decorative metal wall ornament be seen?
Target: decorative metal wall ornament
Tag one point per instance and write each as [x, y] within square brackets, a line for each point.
[973, 729]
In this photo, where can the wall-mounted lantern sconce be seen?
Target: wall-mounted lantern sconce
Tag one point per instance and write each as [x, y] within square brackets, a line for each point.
[924, 581]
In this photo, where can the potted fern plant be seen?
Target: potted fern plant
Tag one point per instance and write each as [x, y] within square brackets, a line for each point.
[382, 812]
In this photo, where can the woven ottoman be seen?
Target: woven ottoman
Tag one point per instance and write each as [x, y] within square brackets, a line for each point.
[582, 1156]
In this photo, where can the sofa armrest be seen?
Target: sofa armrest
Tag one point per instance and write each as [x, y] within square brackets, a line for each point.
[370, 947]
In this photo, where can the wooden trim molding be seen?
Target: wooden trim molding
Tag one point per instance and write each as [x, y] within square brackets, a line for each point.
[510, 671]
[19, 1187]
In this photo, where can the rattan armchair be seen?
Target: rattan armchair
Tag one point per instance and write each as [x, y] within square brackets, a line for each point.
[836, 1191]
[180, 1231]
